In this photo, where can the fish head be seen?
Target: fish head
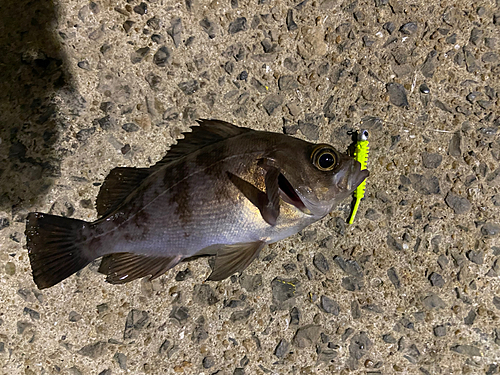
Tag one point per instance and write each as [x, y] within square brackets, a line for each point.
[316, 177]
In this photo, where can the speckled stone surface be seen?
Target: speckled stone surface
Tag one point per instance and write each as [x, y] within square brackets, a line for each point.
[412, 287]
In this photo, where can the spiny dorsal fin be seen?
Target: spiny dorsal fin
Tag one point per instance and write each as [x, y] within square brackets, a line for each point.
[208, 132]
[121, 268]
[234, 258]
[119, 183]
[122, 181]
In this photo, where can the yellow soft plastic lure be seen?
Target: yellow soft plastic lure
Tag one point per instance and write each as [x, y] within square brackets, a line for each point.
[361, 155]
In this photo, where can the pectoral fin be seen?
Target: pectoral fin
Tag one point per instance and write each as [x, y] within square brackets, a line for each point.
[268, 203]
[234, 258]
[271, 211]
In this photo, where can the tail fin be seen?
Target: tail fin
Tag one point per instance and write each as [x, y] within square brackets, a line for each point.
[53, 247]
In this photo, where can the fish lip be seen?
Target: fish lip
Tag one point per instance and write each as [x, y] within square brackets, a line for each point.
[289, 194]
[359, 175]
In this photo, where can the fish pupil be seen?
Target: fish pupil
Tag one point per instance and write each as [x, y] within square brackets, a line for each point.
[326, 160]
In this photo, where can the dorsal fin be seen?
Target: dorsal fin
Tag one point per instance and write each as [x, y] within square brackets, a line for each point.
[208, 132]
[122, 181]
[119, 183]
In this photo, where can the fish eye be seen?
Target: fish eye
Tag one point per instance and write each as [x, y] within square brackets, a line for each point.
[324, 158]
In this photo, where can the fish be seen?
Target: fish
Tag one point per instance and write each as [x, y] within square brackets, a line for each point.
[222, 190]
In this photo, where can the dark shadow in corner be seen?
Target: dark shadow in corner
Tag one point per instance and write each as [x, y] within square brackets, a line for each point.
[32, 70]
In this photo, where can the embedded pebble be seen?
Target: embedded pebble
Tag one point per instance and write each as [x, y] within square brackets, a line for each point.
[360, 345]
[162, 57]
[372, 214]
[432, 301]
[32, 313]
[389, 27]
[350, 267]
[496, 302]
[460, 205]
[282, 349]
[189, 87]
[208, 362]
[428, 68]
[454, 148]
[74, 316]
[321, 263]
[287, 82]
[309, 126]
[290, 23]
[352, 283]
[424, 89]
[180, 314]
[4, 222]
[155, 23]
[141, 9]
[393, 244]
[136, 321]
[470, 318]
[271, 103]
[121, 359]
[294, 316]
[397, 94]
[94, 350]
[425, 185]
[10, 268]
[329, 305]
[307, 335]
[393, 277]
[475, 256]
[436, 280]
[431, 160]
[209, 27]
[284, 291]
[409, 28]
[106, 123]
[490, 229]
[389, 338]
[239, 24]
[495, 199]
[204, 295]
[242, 315]
[468, 350]
[251, 283]
[175, 31]
[139, 54]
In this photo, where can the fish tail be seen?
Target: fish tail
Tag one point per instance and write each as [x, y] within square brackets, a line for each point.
[54, 249]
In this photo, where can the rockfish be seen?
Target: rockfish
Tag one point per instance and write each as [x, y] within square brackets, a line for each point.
[222, 190]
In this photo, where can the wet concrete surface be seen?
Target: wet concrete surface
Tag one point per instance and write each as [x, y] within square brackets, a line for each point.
[411, 287]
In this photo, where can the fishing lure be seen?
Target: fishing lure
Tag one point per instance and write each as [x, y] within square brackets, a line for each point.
[360, 154]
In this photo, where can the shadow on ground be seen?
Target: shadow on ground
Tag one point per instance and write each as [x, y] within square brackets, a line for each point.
[32, 70]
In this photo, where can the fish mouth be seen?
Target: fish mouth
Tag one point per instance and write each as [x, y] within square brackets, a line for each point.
[288, 194]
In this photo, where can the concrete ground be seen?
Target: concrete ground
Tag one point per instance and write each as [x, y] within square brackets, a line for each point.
[412, 287]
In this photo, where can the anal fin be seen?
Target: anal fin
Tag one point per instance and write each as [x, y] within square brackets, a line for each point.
[234, 258]
[121, 268]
